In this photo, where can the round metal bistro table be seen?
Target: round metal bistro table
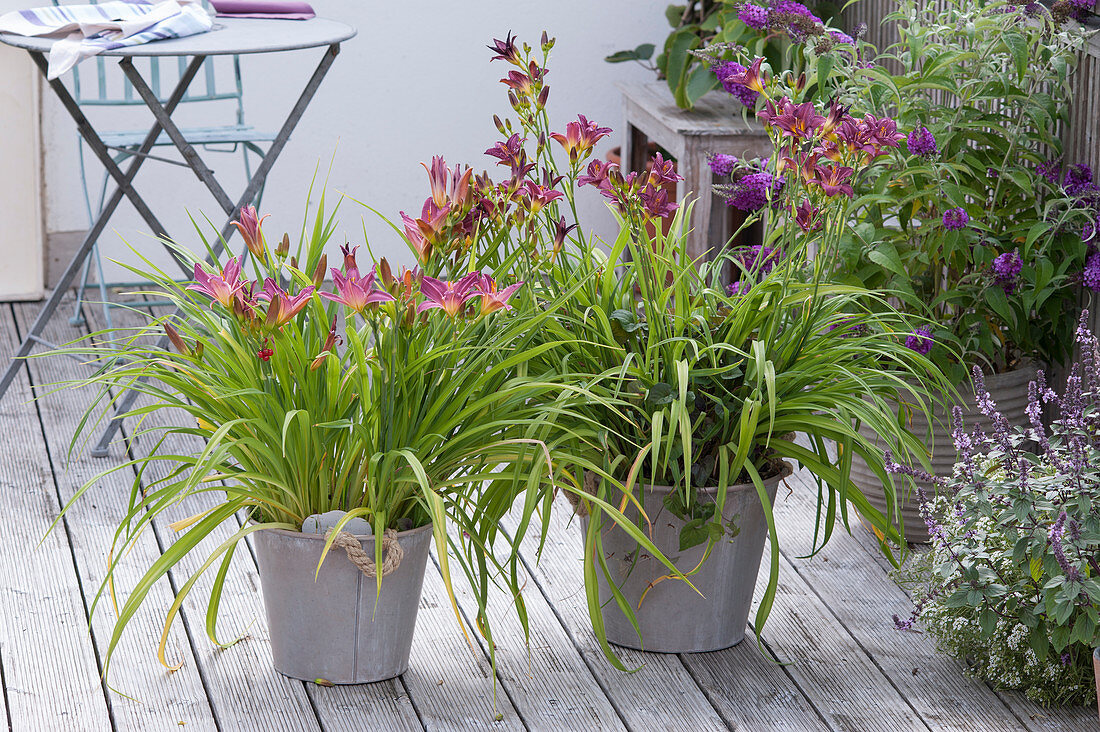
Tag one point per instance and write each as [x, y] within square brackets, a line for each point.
[229, 36]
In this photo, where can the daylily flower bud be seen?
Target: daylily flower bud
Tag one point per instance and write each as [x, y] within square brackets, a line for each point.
[177, 341]
[284, 247]
[294, 262]
[386, 274]
[319, 272]
[499, 125]
[318, 361]
[543, 96]
[800, 84]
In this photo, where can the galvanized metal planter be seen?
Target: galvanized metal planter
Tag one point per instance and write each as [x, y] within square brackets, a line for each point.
[674, 618]
[331, 628]
[1009, 391]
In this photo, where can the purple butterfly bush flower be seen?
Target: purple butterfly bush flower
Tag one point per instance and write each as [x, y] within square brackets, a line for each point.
[1006, 271]
[1090, 276]
[920, 340]
[721, 164]
[753, 16]
[955, 219]
[922, 143]
[727, 72]
[751, 192]
[841, 37]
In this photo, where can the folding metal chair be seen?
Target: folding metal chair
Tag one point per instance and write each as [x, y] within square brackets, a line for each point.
[109, 88]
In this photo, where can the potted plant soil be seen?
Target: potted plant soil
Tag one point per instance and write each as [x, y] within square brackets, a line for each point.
[976, 226]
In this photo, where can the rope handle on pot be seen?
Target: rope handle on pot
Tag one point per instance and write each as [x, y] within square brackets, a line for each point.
[591, 483]
[391, 547]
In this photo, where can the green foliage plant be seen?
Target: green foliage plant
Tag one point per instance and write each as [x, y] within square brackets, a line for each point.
[1011, 585]
[973, 222]
[704, 386]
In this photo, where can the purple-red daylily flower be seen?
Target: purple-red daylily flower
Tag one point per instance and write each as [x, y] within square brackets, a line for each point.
[797, 120]
[751, 78]
[450, 297]
[806, 216]
[535, 197]
[580, 137]
[282, 306]
[250, 227]
[505, 50]
[560, 232]
[492, 299]
[450, 189]
[221, 288]
[835, 179]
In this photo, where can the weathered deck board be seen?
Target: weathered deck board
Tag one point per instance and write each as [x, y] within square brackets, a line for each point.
[841, 681]
[931, 681]
[547, 681]
[655, 696]
[160, 700]
[244, 689]
[849, 670]
[450, 683]
[50, 670]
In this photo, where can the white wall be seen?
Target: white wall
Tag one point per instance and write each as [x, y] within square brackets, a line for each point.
[21, 231]
[415, 82]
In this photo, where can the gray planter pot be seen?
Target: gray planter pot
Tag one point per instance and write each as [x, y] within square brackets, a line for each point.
[1009, 392]
[330, 628]
[673, 618]
[1096, 671]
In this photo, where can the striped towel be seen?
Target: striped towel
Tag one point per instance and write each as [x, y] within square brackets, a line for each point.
[86, 30]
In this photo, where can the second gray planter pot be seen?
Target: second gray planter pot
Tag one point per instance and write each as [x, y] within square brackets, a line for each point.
[674, 618]
[331, 628]
[1009, 391]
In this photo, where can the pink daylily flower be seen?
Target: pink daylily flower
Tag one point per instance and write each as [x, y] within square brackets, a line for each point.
[221, 288]
[492, 299]
[282, 306]
[450, 297]
[356, 292]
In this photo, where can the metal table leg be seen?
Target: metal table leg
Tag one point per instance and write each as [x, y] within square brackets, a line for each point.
[124, 188]
[127, 400]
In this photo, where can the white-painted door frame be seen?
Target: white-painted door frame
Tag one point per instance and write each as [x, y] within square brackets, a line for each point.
[22, 259]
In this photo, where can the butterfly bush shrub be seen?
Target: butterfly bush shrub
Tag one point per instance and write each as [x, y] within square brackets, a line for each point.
[1012, 582]
[976, 216]
[778, 30]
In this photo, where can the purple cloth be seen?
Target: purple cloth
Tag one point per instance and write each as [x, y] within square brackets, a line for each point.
[278, 9]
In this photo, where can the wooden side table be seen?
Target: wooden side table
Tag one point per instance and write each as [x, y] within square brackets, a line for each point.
[713, 126]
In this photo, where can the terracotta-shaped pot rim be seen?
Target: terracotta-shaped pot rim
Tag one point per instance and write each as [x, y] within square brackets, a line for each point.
[786, 472]
[321, 537]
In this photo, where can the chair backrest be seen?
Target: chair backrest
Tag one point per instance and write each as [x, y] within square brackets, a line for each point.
[109, 87]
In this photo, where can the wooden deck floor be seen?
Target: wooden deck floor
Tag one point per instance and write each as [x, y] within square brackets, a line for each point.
[847, 668]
